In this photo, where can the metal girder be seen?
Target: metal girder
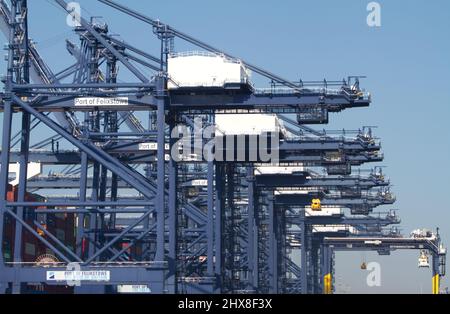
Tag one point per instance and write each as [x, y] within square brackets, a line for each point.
[304, 179]
[61, 103]
[305, 200]
[344, 220]
[220, 102]
[224, 100]
[119, 274]
[373, 243]
[309, 151]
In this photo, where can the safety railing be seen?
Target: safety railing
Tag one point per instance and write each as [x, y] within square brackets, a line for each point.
[199, 53]
[287, 91]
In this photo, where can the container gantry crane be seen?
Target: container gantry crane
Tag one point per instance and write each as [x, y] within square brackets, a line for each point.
[139, 216]
[384, 245]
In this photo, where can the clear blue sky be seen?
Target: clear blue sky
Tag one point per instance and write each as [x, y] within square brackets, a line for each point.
[406, 60]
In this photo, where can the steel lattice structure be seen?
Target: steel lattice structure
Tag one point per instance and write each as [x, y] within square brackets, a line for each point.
[190, 226]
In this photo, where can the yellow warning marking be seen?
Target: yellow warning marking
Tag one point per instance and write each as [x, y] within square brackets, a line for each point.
[435, 283]
[327, 284]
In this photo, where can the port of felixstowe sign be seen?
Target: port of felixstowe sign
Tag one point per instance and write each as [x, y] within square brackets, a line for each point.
[100, 275]
[99, 102]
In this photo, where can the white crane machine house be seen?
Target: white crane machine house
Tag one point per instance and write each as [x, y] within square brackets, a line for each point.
[205, 69]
